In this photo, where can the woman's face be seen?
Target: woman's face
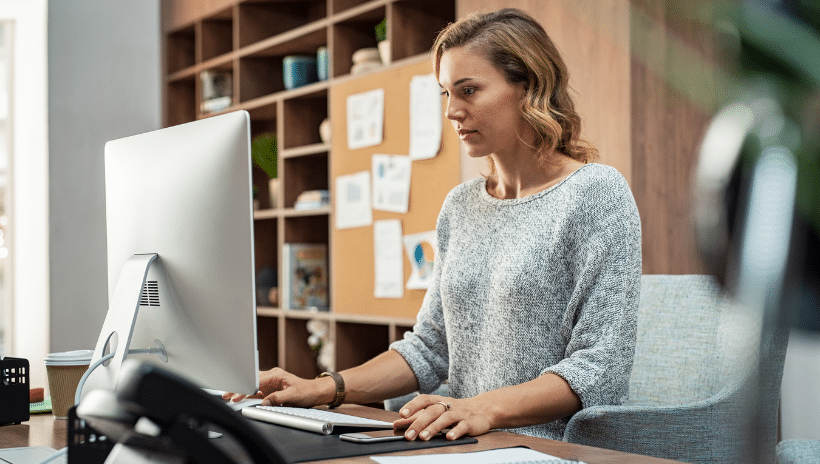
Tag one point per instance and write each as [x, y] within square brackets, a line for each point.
[482, 105]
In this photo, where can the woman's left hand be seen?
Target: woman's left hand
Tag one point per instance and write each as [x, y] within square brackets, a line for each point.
[427, 415]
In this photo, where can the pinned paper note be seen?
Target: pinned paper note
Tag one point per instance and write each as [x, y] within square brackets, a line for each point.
[391, 183]
[353, 201]
[365, 119]
[389, 270]
[425, 117]
[420, 250]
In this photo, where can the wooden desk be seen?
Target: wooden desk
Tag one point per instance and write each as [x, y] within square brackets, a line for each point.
[44, 430]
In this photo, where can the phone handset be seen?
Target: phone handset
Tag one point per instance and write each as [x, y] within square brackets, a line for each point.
[177, 407]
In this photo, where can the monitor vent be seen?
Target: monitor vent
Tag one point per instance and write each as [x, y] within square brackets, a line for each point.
[150, 294]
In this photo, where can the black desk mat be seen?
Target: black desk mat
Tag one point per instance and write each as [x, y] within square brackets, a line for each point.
[301, 446]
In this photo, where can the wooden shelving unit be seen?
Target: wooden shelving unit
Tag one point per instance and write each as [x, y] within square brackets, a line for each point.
[249, 39]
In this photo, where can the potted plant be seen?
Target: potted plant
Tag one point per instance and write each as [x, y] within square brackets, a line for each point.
[382, 42]
[264, 154]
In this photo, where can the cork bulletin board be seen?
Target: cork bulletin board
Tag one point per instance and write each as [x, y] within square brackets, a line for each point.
[352, 257]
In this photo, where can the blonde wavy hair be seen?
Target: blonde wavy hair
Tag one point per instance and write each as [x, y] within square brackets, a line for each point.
[515, 43]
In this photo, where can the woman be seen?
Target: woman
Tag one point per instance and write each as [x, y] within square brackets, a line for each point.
[531, 310]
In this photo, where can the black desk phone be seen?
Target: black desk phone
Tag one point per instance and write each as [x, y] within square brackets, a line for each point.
[157, 416]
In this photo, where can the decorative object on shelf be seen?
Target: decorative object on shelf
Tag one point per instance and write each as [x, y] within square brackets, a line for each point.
[273, 190]
[322, 62]
[273, 296]
[320, 343]
[366, 60]
[305, 282]
[325, 131]
[382, 43]
[265, 280]
[264, 154]
[217, 90]
[299, 70]
[312, 199]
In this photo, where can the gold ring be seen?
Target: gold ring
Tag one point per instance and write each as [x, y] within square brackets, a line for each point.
[446, 405]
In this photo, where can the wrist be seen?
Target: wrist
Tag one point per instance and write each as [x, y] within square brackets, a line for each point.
[337, 388]
[327, 390]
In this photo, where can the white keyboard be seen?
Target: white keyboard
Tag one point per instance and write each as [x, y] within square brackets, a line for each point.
[313, 420]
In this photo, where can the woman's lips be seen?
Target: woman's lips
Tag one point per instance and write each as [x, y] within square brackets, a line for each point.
[465, 134]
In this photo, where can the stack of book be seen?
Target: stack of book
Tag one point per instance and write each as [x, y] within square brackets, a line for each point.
[217, 90]
[311, 199]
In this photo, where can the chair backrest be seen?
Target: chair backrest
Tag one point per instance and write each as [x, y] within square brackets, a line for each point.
[692, 341]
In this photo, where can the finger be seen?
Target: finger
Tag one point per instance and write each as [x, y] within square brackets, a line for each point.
[424, 419]
[442, 422]
[405, 422]
[458, 431]
[417, 404]
[235, 397]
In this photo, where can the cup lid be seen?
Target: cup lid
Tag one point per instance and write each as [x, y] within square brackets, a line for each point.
[69, 358]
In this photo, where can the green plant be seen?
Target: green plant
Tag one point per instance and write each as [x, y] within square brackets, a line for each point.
[263, 152]
[381, 30]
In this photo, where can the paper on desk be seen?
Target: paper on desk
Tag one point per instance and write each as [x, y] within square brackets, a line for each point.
[353, 201]
[389, 274]
[496, 456]
[391, 183]
[425, 117]
[365, 119]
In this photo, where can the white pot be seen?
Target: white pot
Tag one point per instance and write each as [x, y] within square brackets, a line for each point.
[384, 51]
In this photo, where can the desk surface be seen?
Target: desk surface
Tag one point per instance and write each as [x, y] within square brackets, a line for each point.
[44, 430]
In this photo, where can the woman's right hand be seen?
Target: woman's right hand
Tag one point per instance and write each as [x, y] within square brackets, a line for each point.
[278, 387]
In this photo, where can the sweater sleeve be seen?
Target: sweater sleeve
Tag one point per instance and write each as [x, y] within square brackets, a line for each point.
[601, 317]
[425, 348]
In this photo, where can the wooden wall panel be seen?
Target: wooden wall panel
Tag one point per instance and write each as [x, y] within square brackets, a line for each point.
[644, 125]
[593, 38]
[668, 124]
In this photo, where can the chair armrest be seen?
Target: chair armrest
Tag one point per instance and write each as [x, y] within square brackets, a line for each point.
[704, 431]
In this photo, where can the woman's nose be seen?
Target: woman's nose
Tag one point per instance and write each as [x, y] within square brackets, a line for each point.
[454, 111]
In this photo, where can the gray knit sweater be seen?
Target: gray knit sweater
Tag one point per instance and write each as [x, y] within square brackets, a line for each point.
[548, 283]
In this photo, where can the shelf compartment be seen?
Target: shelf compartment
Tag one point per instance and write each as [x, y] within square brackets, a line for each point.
[302, 117]
[181, 101]
[261, 68]
[216, 35]
[259, 21]
[259, 76]
[300, 360]
[352, 34]
[225, 67]
[303, 173]
[350, 349]
[343, 5]
[414, 26]
[266, 253]
[307, 229]
[267, 341]
[180, 49]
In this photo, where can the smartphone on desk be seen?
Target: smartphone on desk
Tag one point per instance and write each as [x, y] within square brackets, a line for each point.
[375, 436]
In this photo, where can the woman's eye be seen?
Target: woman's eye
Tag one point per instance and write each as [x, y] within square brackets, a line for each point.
[468, 91]
[445, 93]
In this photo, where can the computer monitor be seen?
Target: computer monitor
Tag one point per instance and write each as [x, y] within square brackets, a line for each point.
[179, 219]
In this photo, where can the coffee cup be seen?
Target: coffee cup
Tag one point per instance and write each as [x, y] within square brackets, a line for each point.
[64, 373]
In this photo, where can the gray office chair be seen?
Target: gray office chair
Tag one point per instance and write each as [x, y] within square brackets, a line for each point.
[693, 381]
